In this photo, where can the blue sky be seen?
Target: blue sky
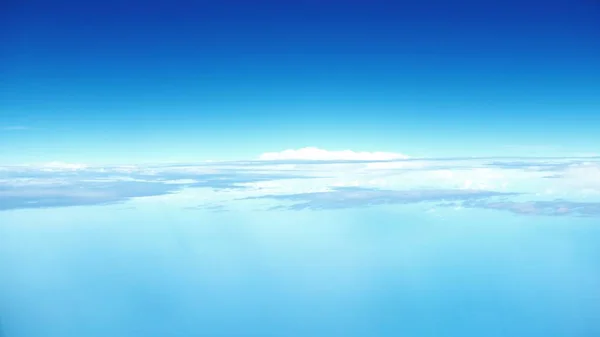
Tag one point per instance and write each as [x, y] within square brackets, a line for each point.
[114, 82]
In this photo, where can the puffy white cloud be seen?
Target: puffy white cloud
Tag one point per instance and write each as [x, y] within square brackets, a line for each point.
[59, 166]
[394, 165]
[313, 153]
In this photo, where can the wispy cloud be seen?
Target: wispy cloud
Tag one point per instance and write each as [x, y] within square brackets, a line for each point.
[211, 207]
[351, 197]
[548, 208]
[16, 128]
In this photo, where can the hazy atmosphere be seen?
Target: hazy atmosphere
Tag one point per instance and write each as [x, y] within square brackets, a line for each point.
[300, 168]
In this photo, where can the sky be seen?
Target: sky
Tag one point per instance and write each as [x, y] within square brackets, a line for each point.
[133, 82]
[299, 168]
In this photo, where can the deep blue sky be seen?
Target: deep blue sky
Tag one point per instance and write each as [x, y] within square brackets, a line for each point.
[123, 80]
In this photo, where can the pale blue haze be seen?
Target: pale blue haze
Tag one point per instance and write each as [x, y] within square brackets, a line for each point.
[98, 272]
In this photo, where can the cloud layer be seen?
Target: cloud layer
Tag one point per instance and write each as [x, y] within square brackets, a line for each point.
[314, 179]
[62, 185]
[78, 194]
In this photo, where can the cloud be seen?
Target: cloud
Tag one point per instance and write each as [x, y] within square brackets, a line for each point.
[313, 153]
[341, 179]
[60, 166]
[548, 208]
[63, 185]
[350, 197]
[211, 207]
[581, 176]
[16, 128]
[78, 194]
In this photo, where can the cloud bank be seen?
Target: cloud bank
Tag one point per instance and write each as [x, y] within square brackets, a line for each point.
[313, 153]
[315, 179]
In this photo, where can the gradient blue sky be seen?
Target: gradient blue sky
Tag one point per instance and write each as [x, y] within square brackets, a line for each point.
[111, 81]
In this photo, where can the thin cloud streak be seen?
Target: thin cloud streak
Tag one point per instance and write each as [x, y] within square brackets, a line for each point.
[351, 197]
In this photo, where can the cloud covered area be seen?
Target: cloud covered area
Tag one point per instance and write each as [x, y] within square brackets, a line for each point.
[350, 197]
[314, 179]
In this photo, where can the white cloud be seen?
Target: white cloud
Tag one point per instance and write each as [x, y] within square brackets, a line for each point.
[583, 177]
[60, 166]
[395, 165]
[313, 153]
[321, 171]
